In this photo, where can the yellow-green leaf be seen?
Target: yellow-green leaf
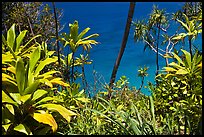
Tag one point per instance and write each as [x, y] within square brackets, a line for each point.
[25, 98]
[38, 93]
[7, 99]
[20, 75]
[83, 99]
[32, 87]
[62, 110]
[59, 81]
[182, 72]
[23, 128]
[43, 64]
[46, 119]
[19, 39]
[11, 36]
[169, 69]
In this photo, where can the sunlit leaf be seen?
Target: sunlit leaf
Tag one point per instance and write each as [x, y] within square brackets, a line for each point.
[11, 36]
[38, 93]
[23, 128]
[46, 119]
[19, 39]
[62, 110]
[20, 75]
[182, 72]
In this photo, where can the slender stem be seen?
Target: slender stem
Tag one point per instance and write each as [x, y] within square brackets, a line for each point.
[56, 26]
[73, 67]
[123, 45]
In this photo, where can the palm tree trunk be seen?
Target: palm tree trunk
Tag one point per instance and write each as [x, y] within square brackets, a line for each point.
[56, 27]
[123, 45]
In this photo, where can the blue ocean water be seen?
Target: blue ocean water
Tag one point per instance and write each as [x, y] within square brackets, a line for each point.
[108, 19]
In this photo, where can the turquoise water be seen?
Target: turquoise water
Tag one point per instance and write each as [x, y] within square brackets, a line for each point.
[108, 19]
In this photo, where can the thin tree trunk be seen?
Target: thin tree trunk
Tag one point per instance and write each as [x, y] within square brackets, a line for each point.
[190, 47]
[56, 27]
[73, 67]
[123, 45]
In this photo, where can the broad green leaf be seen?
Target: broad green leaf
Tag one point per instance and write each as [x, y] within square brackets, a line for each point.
[11, 36]
[74, 30]
[134, 126]
[200, 65]
[16, 97]
[7, 99]
[50, 53]
[175, 65]
[69, 58]
[188, 57]
[10, 108]
[83, 33]
[20, 75]
[178, 58]
[7, 58]
[46, 82]
[23, 128]
[43, 64]
[46, 99]
[6, 126]
[25, 98]
[7, 78]
[46, 119]
[29, 42]
[30, 89]
[182, 72]
[48, 74]
[12, 69]
[38, 93]
[35, 56]
[62, 110]
[59, 81]
[90, 36]
[152, 111]
[19, 39]
[169, 69]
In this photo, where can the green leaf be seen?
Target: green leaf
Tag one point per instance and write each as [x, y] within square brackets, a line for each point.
[19, 39]
[10, 108]
[46, 99]
[38, 93]
[16, 97]
[134, 126]
[6, 126]
[23, 128]
[29, 42]
[32, 87]
[46, 119]
[43, 64]
[168, 69]
[7, 99]
[62, 110]
[83, 33]
[182, 72]
[25, 98]
[188, 57]
[11, 36]
[35, 56]
[178, 58]
[20, 75]
[83, 99]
